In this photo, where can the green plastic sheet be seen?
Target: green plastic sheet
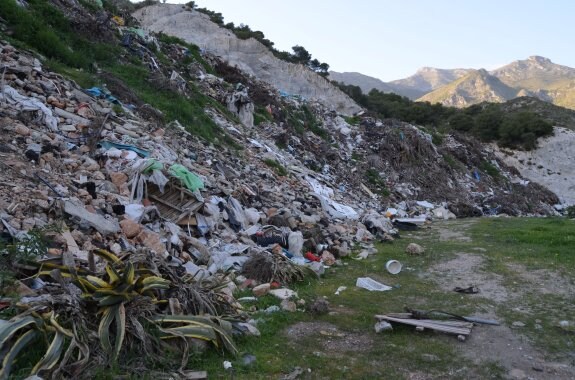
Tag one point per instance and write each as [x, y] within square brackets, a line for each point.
[191, 181]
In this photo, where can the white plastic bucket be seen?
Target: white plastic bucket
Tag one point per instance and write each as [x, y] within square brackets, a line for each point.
[393, 266]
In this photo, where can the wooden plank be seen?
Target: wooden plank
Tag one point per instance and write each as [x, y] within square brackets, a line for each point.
[399, 315]
[165, 203]
[451, 323]
[429, 324]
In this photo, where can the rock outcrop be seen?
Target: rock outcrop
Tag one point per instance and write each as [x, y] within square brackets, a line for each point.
[249, 55]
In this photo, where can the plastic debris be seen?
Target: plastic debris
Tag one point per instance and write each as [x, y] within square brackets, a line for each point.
[371, 285]
[189, 179]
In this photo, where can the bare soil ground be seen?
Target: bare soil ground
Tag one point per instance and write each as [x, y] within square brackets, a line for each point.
[343, 344]
[507, 346]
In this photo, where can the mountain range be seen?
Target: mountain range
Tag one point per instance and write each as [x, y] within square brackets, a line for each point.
[535, 76]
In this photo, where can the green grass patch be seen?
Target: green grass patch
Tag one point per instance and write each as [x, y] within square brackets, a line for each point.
[192, 51]
[452, 162]
[188, 111]
[374, 178]
[537, 243]
[520, 247]
[276, 166]
[45, 29]
[358, 352]
[400, 353]
[352, 120]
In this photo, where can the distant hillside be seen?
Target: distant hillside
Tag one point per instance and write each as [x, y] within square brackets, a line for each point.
[476, 87]
[428, 79]
[535, 76]
[365, 82]
[534, 73]
[423, 81]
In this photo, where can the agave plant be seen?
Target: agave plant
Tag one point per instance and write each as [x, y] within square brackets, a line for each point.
[22, 331]
[120, 284]
[118, 294]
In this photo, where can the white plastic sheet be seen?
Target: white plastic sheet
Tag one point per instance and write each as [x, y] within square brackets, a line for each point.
[371, 285]
[333, 208]
[25, 103]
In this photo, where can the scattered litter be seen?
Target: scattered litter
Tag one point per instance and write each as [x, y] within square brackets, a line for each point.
[248, 360]
[283, 293]
[425, 204]
[393, 266]
[459, 328]
[272, 309]
[468, 290]
[340, 289]
[107, 145]
[382, 326]
[293, 375]
[371, 285]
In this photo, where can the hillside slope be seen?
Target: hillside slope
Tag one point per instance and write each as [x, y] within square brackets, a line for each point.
[552, 164]
[535, 76]
[413, 87]
[365, 82]
[249, 55]
[428, 79]
[534, 73]
[475, 87]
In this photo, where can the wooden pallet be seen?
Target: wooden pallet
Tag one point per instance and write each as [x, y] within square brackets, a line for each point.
[175, 203]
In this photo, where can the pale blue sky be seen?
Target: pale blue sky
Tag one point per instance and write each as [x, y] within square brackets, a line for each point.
[392, 39]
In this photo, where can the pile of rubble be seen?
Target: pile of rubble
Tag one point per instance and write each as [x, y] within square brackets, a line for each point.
[122, 182]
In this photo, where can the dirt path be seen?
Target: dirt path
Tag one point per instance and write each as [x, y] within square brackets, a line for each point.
[501, 344]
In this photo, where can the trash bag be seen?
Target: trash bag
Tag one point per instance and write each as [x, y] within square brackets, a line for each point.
[237, 218]
[252, 215]
[295, 243]
[189, 179]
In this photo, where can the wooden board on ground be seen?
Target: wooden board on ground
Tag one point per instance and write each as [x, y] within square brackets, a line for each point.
[450, 327]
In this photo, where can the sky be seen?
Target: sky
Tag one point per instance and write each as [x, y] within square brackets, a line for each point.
[391, 39]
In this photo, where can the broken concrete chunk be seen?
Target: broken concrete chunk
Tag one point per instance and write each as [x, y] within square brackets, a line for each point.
[99, 222]
[283, 293]
[288, 305]
[382, 326]
[130, 228]
[261, 290]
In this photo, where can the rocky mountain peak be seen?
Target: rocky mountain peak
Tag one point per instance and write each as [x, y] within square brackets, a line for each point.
[539, 59]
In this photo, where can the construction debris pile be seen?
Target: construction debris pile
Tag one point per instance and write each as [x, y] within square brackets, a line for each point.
[142, 221]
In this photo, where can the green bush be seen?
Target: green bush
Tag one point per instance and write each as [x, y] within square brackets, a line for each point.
[487, 121]
[461, 122]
